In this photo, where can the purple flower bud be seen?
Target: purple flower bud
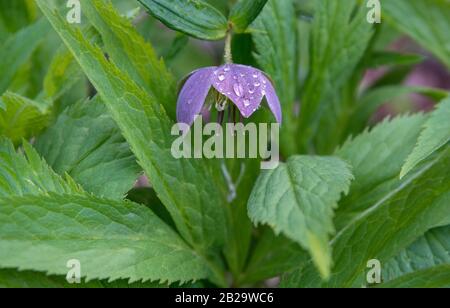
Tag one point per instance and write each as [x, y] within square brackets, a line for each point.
[245, 86]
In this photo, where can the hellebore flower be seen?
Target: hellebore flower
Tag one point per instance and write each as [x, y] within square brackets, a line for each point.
[244, 86]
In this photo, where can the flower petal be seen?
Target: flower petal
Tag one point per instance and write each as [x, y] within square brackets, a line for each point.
[272, 98]
[193, 95]
[242, 85]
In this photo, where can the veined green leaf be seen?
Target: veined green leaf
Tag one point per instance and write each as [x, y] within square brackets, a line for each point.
[276, 42]
[340, 36]
[377, 157]
[131, 53]
[426, 21]
[435, 135]
[393, 222]
[86, 143]
[186, 186]
[17, 49]
[436, 277]
[194, 17]
[244, 12]
[298, 199]
[112, 240]
[29, 175]
[46, 221]
[21, 117]
[430, 250]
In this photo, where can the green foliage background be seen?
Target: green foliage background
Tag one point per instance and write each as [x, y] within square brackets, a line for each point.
[86, 109]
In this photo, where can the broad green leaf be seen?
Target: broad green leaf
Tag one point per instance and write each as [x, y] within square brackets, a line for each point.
[186, 186]
[244, 12]
[340, 36]
[387, 227]
[29, 174]
[435, 135]
[111, 239]
[131, 53]
[377, 156]
[426, 21]
[18, 48]
[194, 17]
[86, 143]
[431, 249]
[436, 277]
[21, 117]
[276, 42]
[10, 278]
[298, 199]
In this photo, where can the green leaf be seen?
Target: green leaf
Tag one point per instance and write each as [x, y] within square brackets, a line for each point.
[112, 240]
[18, 48]
[86, 143]
[298, 199]
[377, 157]
[369, 103]
[179, 43]
[21, 117]
[276, 41]
[340, 35]
[194, 17]
[272, 256]
[10, 278]
[389, 58]
[426, 21]
[387, 227]
[186, 186]
[435, 135]
[430, 250]
[436, 277]
[244, 12]
[131, 53]
[63, 73]
[15, 15]
[29, 175]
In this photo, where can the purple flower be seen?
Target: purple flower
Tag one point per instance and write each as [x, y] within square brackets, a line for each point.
[245, 86]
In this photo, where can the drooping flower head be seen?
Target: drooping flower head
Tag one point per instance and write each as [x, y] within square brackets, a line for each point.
[244, 86]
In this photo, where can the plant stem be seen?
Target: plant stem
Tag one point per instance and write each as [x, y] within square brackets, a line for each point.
[227, 55]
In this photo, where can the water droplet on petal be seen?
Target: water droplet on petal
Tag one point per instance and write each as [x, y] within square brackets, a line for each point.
[246, 102]
[255, 75]
[221, 77]
[263, 92]
[251, 91]
[264, 81]
[242, 75]
[226, 69]
[257, 84]
[238, 89]
[235, 77]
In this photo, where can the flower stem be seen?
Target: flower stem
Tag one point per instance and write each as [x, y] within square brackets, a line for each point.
[227, 55]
